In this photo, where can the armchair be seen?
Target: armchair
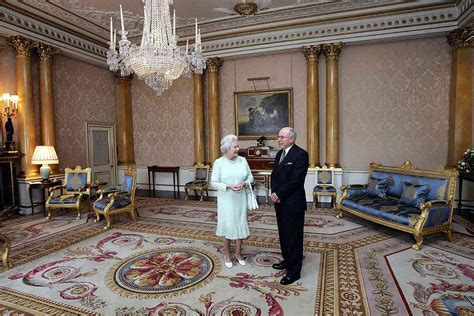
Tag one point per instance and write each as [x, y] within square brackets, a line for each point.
[5, 245]
[116, 201]
[324, 185]
[75, 191]
[200, 182]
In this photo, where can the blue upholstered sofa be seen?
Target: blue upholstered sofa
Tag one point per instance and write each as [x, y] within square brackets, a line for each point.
[413, 200]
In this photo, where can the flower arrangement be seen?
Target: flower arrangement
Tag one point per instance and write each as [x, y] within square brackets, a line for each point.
[466, 164]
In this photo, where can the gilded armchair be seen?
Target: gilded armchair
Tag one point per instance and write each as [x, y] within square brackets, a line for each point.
[75, 191]
[200, 182]
[5, 245]
[116, 201]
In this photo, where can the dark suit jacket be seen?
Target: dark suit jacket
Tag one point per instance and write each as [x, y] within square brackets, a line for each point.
[288, 178]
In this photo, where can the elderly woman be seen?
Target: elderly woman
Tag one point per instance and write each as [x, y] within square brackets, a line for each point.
[230, 174]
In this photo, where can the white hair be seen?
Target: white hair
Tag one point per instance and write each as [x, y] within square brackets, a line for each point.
[227, 141]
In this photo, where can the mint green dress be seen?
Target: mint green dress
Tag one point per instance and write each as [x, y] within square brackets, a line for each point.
[231, 206]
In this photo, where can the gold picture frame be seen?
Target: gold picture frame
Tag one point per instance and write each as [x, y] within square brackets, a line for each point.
[263, 112]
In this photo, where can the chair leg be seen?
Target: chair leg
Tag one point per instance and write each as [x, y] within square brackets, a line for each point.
[207, 194]
[107, 220]
[186, 194]
[136, 210]
[48, 211]
[133, 215]
[5, 253]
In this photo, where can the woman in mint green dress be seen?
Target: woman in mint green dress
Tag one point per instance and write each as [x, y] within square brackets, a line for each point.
[230, 176]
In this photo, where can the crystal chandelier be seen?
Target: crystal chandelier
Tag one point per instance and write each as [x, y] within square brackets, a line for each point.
[158, 59]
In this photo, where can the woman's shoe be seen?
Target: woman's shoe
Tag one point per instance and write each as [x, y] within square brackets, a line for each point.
[228, 264]
[241, 261]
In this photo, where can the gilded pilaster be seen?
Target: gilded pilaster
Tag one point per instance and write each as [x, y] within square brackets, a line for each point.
[199, 140]
[460, 98]
[213, 65]
[48, 126]
[126, 152]
[312, 53]
[331, 52]
[26, 113]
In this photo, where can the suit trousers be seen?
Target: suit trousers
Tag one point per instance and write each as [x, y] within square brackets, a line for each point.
[291, 230]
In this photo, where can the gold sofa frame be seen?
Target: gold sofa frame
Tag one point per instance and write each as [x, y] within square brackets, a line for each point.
[5, 248]
[108, 211]
[79, 203]
[417, 230]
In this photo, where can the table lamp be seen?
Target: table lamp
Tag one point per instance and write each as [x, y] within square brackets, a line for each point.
[44, 155]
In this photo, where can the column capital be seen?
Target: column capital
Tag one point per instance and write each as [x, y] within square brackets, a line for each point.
[214, 63]
[461, 38]
[123, 79]
[46, 52]
[312, 53]
[332, 51]
[23, 46]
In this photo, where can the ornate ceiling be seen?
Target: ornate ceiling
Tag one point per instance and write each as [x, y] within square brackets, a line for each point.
[81, 27]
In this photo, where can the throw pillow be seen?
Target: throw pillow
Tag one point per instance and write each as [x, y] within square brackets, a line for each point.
[377, 187]
[414, 194]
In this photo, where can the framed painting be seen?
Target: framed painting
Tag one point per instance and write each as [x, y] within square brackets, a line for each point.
[262, 113]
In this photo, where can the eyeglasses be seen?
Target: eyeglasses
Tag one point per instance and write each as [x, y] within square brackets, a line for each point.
[283, 136]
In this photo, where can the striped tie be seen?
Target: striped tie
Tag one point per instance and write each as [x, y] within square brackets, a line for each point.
[282, 156]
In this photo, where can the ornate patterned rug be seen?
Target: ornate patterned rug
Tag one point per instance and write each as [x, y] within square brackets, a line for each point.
[169, 263]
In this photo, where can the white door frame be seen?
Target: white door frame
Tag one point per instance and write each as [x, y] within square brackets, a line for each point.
[112, 148]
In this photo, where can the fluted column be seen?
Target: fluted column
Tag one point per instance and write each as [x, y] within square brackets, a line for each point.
[26, 113]
[126, 153]
[213, 65]
[199, 140]
[48, 126]
[460, 98]
[312, 54]
[331, 52]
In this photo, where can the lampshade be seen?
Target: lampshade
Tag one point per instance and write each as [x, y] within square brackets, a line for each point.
[44, 155]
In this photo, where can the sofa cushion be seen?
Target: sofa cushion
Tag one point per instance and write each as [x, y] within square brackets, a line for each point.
[377, 187]
[414, 194]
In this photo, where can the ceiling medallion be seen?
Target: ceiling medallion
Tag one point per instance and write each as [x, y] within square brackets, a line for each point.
[246, 7]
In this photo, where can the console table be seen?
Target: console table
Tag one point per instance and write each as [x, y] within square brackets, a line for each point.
[464, 177]
[173, 170]
[44, 187]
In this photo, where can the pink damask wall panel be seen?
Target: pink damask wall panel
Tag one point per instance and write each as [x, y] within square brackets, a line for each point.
[163, 126]
[82, 93]
[285, 71]
[394, 100]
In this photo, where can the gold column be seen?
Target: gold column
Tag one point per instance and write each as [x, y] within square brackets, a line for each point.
[126, 153]
[199, 140]
[48, 127]
[331, 52]
[312, 53]
[460, 98]
[213, 65]
[26, 111]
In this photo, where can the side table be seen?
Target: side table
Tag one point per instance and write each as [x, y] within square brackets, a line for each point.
[464, 177]
[44, 187]
[174, 170]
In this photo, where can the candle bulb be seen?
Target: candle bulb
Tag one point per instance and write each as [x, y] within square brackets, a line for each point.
[174, 23]
[196, 29]
[187, 43]
[121, 20]
[115, 40]
[111, 33]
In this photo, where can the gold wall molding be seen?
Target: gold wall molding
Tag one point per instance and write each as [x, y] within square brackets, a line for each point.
[332, 51]
[312, 53]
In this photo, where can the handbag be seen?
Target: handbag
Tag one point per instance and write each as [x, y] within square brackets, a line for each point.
[251, 198]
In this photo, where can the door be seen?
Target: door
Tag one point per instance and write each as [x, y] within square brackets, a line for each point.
[101, 152]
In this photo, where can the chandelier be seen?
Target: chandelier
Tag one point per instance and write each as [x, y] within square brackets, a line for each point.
[158, 59]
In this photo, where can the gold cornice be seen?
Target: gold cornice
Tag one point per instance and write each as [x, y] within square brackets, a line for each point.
[322, 22]
[23, 46]
[332, 51]
[312, 53]
[213, 64]
[460, 38]
[123, 79]
[46, 52]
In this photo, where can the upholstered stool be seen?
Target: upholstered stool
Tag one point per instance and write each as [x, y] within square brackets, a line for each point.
[5, 245]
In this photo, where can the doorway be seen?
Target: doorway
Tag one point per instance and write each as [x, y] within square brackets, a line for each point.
[101, 152]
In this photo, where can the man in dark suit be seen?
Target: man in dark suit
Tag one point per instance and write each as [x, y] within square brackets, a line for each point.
[288, 195]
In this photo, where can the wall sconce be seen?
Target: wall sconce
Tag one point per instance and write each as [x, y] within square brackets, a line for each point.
[10, 103]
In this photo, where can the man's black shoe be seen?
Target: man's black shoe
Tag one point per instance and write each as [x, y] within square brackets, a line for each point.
[278, 266]
[288, 280]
